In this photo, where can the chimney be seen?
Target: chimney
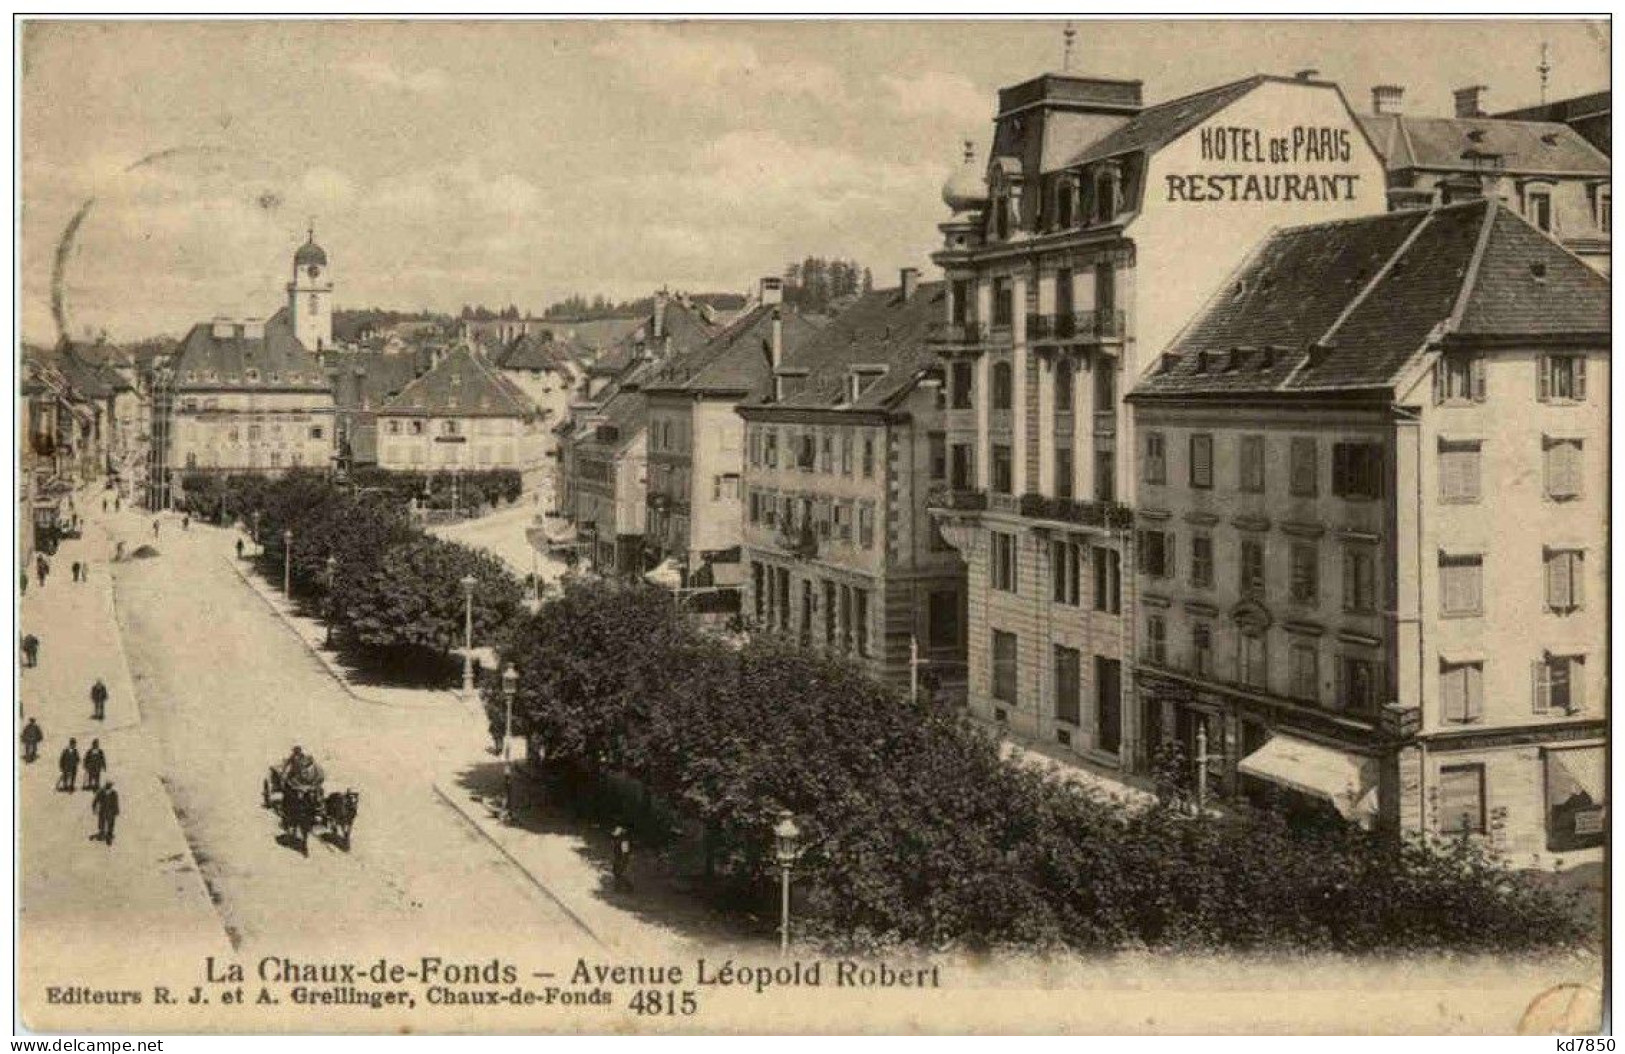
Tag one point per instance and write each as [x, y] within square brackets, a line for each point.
[777, 348]
[660, 315]
[771, 291]
[221, 329]
[1468, 101]
[1388, 99]
[910, 281]
[1306, 75]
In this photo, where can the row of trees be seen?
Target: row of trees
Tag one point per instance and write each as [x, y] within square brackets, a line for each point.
[919, 832]
[814, 282]
[221, 497]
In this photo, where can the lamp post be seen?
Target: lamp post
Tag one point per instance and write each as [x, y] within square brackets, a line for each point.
[287, 560]
[510, 687]
[468, 634]
[332, 606]
[256, 528]
[787, 846]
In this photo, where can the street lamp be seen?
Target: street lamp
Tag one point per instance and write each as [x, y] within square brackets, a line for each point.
[787, 847]
[510, 686]
[332, 607]
[468, 634]
[287, 560]
[256, 528]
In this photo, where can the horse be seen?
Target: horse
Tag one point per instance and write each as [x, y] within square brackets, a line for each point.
[300, 809]
[341, 810]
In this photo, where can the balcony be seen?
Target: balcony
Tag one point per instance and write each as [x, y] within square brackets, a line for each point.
[956, 500]
[1105, 423]
[965, 333]
[1103, 514]
[1097, 327]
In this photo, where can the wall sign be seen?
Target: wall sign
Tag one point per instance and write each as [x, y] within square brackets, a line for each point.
[1278, 153]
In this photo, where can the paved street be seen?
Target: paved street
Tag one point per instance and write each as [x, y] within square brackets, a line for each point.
[502, 534]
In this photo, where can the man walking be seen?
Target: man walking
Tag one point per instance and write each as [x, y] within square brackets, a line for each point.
[68, 765]
[30, 650]
[22, 581]
[155, 528]
[42, 567]
[621, 864]
[31, 739]
[95, 765]
[105, 806]
[239, 548]
[75, 569]
[98, 700]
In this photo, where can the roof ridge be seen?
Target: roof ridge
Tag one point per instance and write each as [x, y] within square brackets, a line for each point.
[1480, 248]
[1381, 273]
[1255, 78]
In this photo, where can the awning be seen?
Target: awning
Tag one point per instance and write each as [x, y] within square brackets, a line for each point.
[1581, 770]
[668, 575]
[1343, 779]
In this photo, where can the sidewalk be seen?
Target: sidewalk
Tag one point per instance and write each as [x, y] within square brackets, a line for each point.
[74, 891]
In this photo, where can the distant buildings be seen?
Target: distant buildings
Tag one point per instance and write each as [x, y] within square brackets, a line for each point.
[1590, 115]
[1544, 169]
[1372, 531]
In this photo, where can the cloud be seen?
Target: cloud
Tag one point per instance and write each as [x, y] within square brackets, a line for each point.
[426, 81]
[696, 67]
[934, 93]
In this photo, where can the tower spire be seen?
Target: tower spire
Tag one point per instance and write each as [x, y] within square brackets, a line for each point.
[1069, 34]
[1545, 69]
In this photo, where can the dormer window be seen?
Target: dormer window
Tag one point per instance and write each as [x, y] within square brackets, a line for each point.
[1108, 192]
[253, 375]
[1065, 193]
[1603, 207]
[1537, 206]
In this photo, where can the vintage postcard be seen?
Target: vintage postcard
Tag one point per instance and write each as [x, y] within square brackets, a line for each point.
[816, 526]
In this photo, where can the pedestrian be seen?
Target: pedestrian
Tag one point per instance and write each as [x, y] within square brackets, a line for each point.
[68, 765]
[239, 548]
[186, 522]
[31, 740]
[105, 806]
[118, 552]
[104, 504]
[95, 765]
[155, 528]
[622, 861]
[42, 567]
[30, 650]
[118, 504]
[22, 582]
[98, 700]
[75, 569]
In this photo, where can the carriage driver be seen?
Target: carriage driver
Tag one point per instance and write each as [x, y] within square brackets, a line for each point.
[301, 773]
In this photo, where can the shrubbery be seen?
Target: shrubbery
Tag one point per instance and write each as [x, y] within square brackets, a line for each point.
[917, 831]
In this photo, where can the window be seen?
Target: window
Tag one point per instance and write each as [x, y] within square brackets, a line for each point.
[1003, 476]
[1254, 665]
[1004, 561]
[1105, 475]
[1156, 639]
[1063, 472]
[868, 456]
[1068, 686]
[758, 588]
[1066, 559]
[1002, 386]
[1305, 481]
[964, 473]
[1563, 468]
[826, 454]
[942, 629]
[843, 521]
[1252, 464]
[1108, 580]
[1004, 667]
[1202, 649]
[960, 289]
[770, 447]
[1305, 573]
[191, 459]
[725, 487]
[938, 443]
[770, 509]
[316, 432]
[753, 447]
[1304, 656]
[394, 428]
[1357, 687]
[1461, 799]
[1251, 582]
[1560, 684]
[1538, 209]
[1562, 378]
[964, 385]
[1201, 445]
[1357, 470]
[1461, 691]
[1003, 302]
[1460, 468]
[253, 433]
[1202, 560]
[1108, 704]
[1359, 579]
[449, 428]
[1157, 553]
[1105, 388]
[807, 459]
[1565, 580]
[1459, 378]
[1063, 385]
[860, 621]
[1461, 585]
[753, 508]
[1155, 466]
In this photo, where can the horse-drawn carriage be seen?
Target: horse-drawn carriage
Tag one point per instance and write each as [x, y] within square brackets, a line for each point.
[298, 801]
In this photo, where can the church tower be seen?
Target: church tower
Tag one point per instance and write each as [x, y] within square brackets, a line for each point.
[310, 296]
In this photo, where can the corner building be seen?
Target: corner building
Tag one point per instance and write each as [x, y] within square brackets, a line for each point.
[1372, 524]
[1097, 227]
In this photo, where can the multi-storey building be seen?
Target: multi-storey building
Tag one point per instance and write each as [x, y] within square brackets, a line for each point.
[1591, 115]
[1372, 529]
[550, 371]
[840, 459]
[697, 442]
[1095, 229]
[1543, 169]
[462, 415]
[363, 383]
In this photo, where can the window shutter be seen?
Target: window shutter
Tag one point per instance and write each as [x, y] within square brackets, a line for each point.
[1439, 371]
[1543, 374]
[1577, 577]
[1169, 547]
[1577, 681]
[1473, 691]
[1580, 377]
[1537, 693]
[1450, 685]
[1478, 378]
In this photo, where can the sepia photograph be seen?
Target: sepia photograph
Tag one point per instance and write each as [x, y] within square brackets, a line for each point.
[817, 525]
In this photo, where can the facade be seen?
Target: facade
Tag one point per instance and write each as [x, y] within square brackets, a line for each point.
[363, 383]
[697, 442]
[310, 297]
[840, 460]
[1096, 228]
[462, 415]
[1545, 170]
[1331, 597]
[550, 372]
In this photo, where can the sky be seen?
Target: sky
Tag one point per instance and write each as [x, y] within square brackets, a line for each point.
[447, 163]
